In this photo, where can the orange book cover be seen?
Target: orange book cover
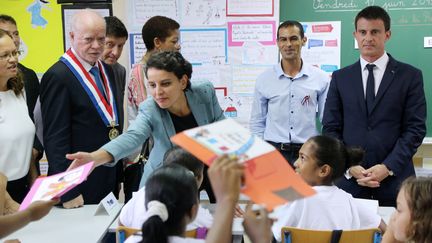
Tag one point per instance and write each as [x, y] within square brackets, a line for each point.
[269, 179]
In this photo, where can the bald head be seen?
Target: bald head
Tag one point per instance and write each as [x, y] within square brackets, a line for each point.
[88, 35]
[86, 17]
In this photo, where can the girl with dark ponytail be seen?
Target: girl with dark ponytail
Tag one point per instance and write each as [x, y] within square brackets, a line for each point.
[321, 161]
[171, 200]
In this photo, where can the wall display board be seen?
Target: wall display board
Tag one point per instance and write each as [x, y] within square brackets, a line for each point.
[229, 43]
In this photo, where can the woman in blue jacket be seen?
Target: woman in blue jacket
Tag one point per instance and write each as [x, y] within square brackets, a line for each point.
[175, 105]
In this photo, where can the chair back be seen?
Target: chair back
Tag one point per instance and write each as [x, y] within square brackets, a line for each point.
[191, 233]
[123, 232]
[198, 233]
[296, 235]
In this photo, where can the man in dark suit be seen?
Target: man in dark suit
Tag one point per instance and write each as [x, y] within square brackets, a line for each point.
[31, 84]
[377, 103]
[79, 107]
[116, 37]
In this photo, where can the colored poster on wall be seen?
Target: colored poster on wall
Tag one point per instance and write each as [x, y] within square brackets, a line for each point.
[323, 47]
[40, 27]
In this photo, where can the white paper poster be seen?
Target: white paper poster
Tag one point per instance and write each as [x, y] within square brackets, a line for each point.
[204, 46]
[250, 8]
[203, 13]
[244, 78]
[137, 47]
[323, 47]
[142, 10]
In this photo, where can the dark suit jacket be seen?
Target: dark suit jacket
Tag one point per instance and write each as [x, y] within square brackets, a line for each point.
[31, 86]
[119, 83]
[395, 126]
[72, 124]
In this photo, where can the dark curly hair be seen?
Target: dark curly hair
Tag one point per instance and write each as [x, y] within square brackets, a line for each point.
[159, 27]
[15, 83]
[170, 61]
[418, 192]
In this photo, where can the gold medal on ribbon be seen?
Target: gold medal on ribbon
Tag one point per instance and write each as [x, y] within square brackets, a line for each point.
[113, 133]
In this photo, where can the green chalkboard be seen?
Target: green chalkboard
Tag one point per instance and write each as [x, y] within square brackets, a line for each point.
[411, 22]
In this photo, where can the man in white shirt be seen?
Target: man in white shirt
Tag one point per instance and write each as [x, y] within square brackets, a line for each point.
[288, 96]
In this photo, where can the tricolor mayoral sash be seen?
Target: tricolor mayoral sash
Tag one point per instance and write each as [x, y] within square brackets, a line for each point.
[105, 106]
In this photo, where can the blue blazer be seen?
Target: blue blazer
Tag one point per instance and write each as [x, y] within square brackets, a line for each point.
[152, 120]
[395, 126]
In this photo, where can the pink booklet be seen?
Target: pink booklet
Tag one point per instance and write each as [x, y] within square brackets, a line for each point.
[47, 188]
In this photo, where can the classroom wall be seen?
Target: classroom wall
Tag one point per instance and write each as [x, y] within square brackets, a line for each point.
[119, 10]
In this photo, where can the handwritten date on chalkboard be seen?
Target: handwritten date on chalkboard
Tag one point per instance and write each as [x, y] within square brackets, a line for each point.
[415, 12]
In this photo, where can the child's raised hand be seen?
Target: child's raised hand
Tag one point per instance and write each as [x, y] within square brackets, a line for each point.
[257, 225]
[225, 175]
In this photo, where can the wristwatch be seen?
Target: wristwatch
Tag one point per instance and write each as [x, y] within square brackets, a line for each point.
[390, 172]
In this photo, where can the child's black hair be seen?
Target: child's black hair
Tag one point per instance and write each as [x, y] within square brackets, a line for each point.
[176, 187]
[182, 157]
[333, 152]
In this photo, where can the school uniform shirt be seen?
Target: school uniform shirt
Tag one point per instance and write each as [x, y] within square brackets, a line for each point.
[17, 134]
[171, 239]
[329, 209]
[133, 213]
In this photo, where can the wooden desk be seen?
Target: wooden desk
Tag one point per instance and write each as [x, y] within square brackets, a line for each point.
[67, 225]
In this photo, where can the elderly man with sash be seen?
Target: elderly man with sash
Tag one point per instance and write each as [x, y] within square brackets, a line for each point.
[79, 107]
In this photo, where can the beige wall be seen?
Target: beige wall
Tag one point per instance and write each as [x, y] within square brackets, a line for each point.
[119, 10]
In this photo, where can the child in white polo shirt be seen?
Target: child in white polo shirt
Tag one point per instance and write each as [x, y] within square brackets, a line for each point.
[321, 161]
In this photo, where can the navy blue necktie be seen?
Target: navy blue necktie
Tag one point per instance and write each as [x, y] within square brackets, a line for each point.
[95, 71]
[370, 87]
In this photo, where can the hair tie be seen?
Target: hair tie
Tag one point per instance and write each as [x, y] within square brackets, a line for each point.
[157, 208]
[191, 172]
